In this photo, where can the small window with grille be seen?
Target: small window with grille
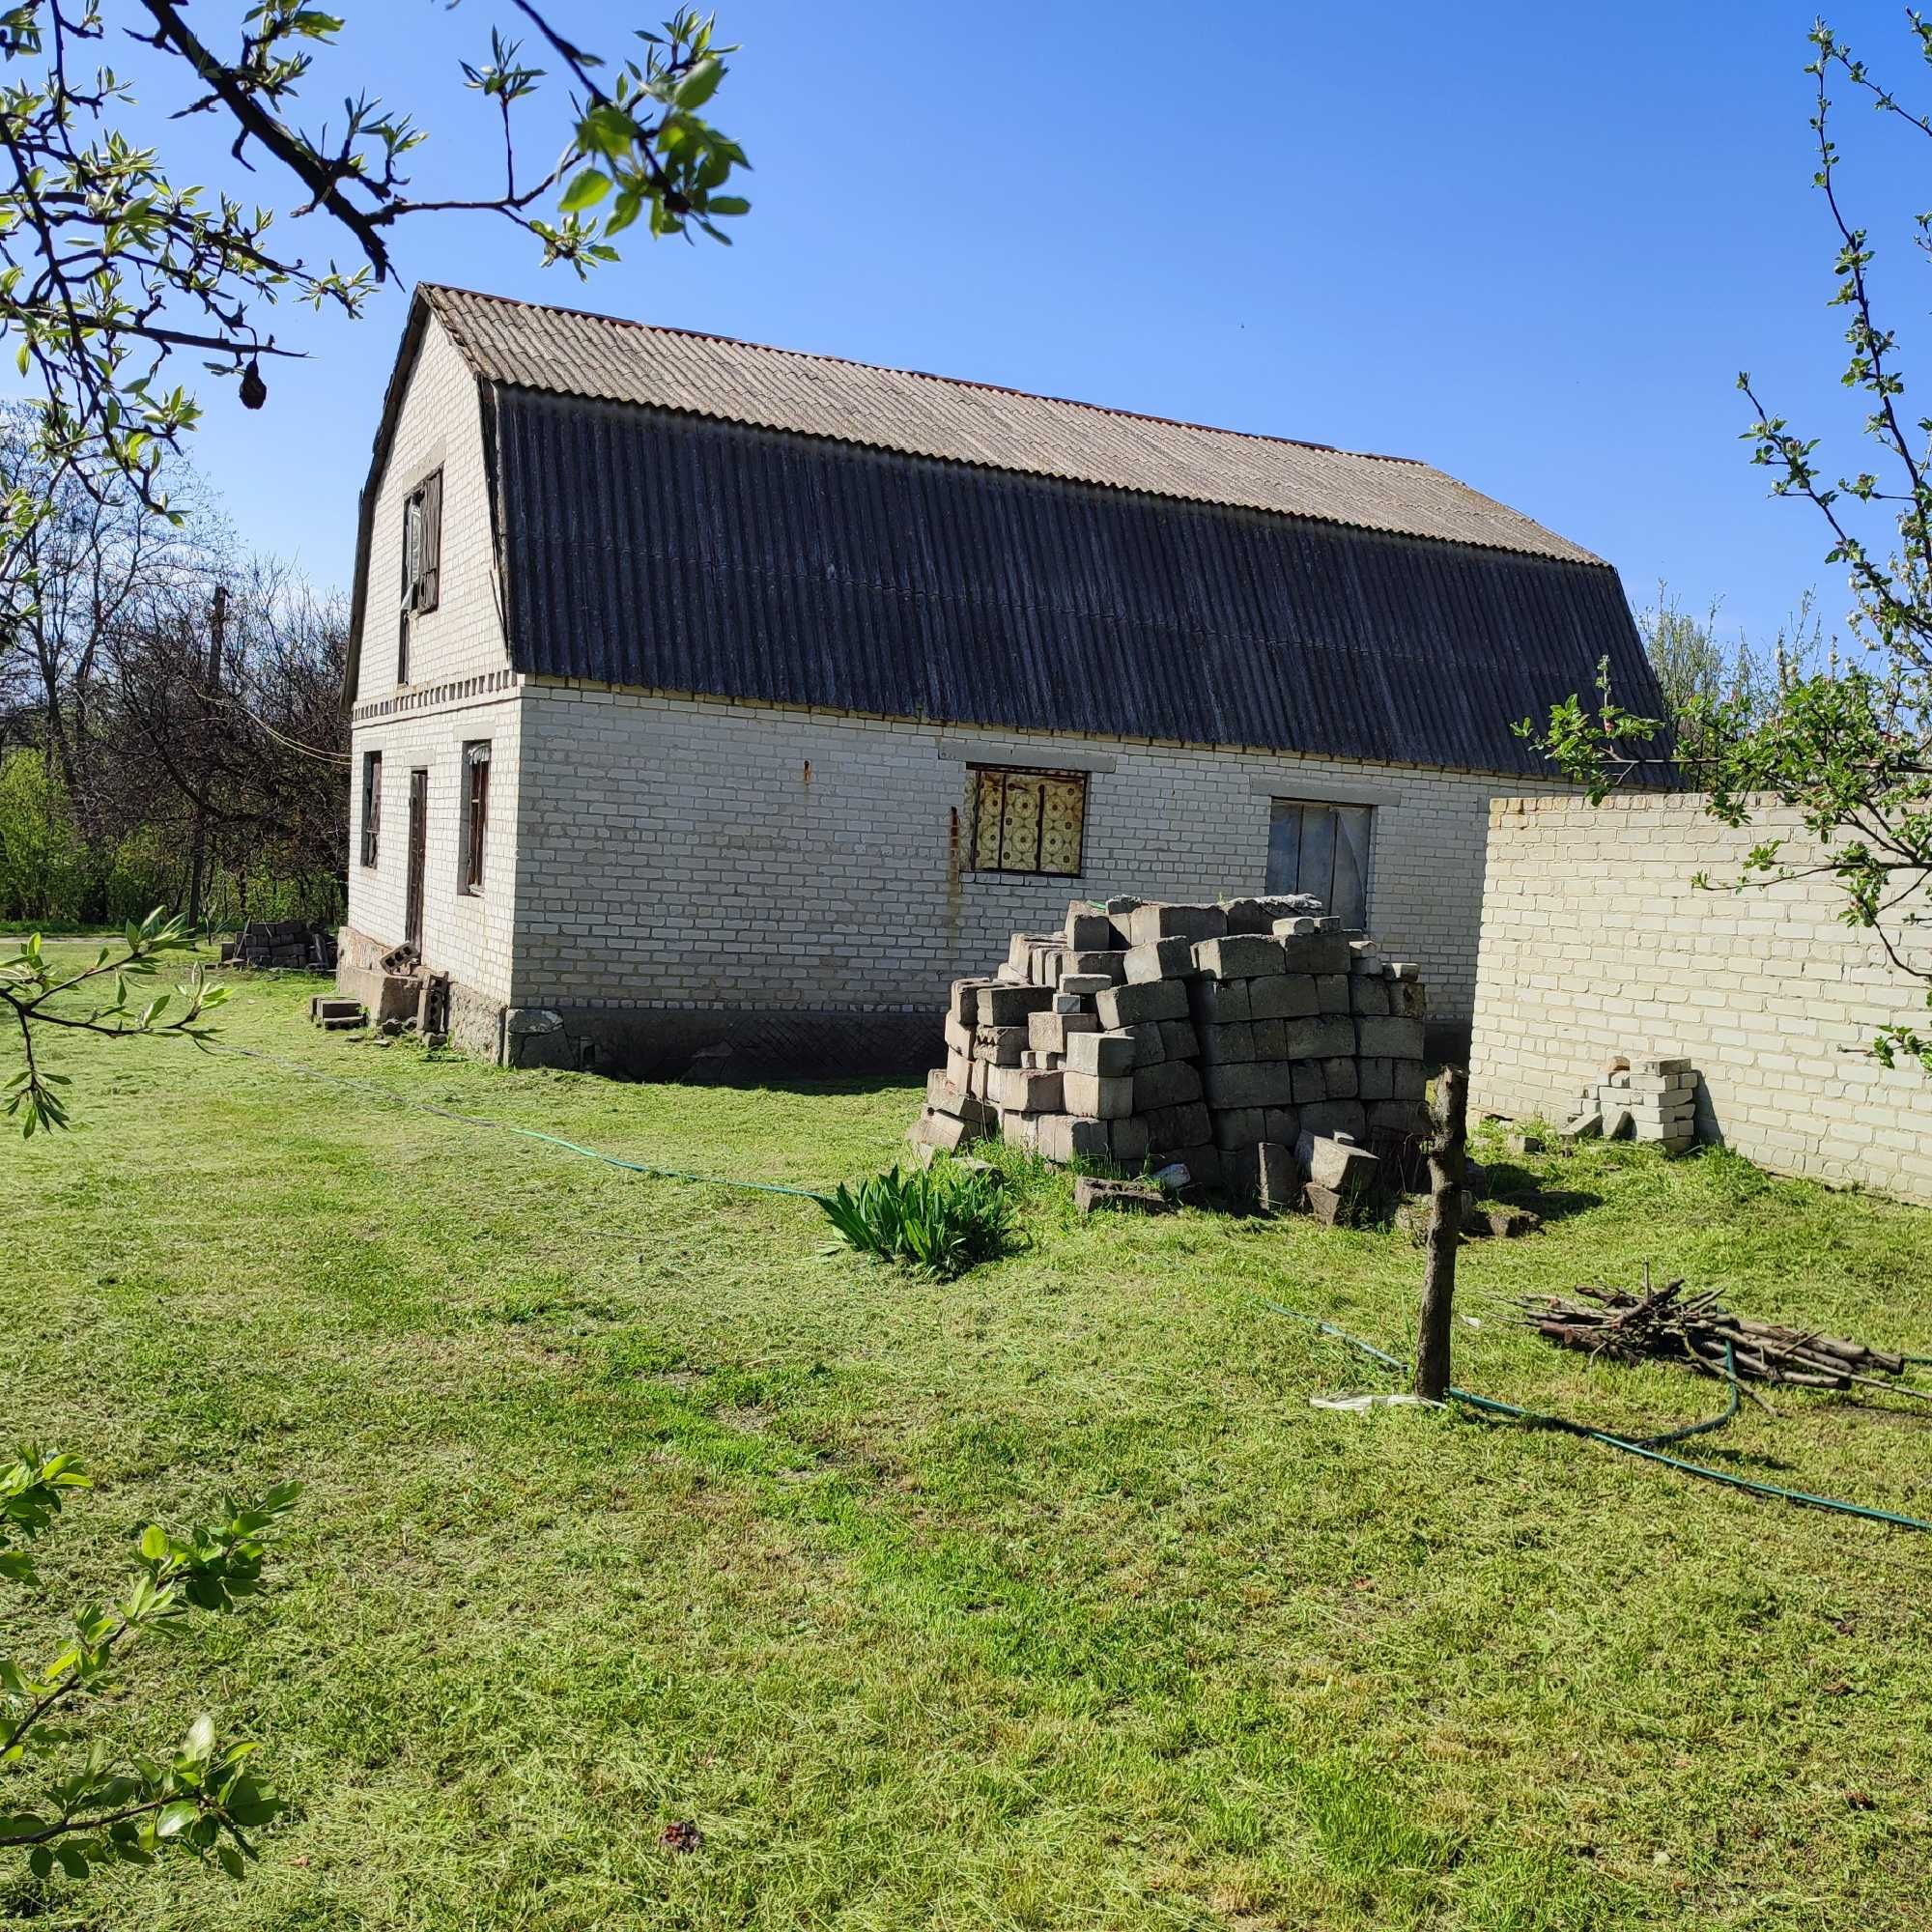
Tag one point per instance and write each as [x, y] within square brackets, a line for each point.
[372, 806]
[1026, 821]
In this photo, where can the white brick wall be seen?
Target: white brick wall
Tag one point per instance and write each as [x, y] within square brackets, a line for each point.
[468, 935]
[1596, 941]
[681, 851]
[439, 425]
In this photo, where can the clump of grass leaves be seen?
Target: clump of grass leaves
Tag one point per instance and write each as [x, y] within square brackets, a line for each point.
[939, 1221]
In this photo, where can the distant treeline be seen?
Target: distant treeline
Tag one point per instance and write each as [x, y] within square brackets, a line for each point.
[171, 723]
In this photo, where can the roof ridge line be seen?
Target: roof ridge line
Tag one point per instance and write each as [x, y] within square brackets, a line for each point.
[431, 289]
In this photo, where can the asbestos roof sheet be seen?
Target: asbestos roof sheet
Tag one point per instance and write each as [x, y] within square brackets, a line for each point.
[567, 352]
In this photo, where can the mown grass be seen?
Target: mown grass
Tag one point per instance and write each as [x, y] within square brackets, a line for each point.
[1041, 1599]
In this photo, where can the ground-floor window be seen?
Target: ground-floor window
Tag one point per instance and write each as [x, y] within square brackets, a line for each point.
[475, 811]
[1026, 821]
[1323, 849]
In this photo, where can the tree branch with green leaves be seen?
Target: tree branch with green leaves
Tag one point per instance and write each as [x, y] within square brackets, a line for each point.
[1847, 748]
[67, 1800]
[40, 997]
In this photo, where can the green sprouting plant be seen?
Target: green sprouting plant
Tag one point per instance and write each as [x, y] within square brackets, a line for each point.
[31, 989]
[66, 1799]
[938, 1222]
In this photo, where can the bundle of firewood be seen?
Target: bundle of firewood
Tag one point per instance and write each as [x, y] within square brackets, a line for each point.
[1664, 1324]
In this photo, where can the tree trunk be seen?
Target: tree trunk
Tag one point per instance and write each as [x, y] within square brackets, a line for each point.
[1446, 1167]
[198, 862]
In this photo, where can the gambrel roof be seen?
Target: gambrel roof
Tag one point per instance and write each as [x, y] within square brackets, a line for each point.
[688, 513]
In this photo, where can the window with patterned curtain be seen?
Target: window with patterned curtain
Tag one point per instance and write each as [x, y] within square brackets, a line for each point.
[1026, 821]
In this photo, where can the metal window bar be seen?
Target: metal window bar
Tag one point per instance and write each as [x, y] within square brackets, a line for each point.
[1031, 785]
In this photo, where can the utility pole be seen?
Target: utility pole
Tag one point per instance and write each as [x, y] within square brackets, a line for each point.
[198, 858]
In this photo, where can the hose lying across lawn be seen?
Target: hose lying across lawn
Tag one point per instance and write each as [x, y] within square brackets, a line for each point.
[1649, 1448]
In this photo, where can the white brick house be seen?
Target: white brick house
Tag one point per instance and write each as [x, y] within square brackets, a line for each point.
[706, 695]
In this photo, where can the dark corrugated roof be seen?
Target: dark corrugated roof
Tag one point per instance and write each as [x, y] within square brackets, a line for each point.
[652, 548]
[564, 352]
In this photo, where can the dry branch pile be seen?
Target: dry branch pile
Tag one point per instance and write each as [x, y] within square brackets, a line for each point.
[1666, 1325]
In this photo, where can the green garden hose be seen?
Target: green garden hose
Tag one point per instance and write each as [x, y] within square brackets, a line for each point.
[1537, 1419]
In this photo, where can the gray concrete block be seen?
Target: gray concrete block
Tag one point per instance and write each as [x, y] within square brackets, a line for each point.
[1271, 1040]
[1147, 999]
[1066, 1137]
[1000, 1045]
[1179, 1039]
[1104, 964]
[1167, 1085]
[1249, 1083]
[1261, 1179]
[1333, 1117]
[1331, 992]
[1218, 1001]
[1329, 1037]
[1025, 1090]
[1049, 1033]
[1408, 1080]
[1184, 1126]
[1246, 956]
[1087, 930]
[1084, 985]
[1287, 996]
[1221, 1044]
[1110, 1054]
[1149, 922]
[1149, 1042]
[963, 1001]
[1013, 1005]
[959, 1035]
[1339, 1076]
[1374, 1079]
[1159, 960]
[1389, 1039]
[1373, 997]
[1283, 1125]
[1127, 1141]
[1319, 953]
[1097, 1095]
[1240, 1126]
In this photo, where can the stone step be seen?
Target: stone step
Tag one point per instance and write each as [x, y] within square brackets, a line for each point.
[342, 1022]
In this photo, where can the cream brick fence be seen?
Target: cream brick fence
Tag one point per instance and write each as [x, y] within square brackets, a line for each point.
[1595, 940]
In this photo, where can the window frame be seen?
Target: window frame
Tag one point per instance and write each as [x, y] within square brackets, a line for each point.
[372, 809]
[1058, 774]
[422, 560]
[1335, 808]
[475, 828]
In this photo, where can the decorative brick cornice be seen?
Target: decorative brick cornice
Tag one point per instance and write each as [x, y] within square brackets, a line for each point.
[430, 696]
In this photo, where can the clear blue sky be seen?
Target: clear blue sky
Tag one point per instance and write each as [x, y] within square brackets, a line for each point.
[1532, 244]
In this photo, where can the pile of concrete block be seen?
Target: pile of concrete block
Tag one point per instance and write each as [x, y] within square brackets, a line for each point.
[281, 942]
[1654, 1100]
[1145, 1031]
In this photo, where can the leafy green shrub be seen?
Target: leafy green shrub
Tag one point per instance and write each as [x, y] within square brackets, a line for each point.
[66, 1799]
[939, 1222]
[43, 862]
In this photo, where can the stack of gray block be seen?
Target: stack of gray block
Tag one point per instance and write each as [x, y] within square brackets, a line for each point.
[1654, 1100]
[1146, 1031]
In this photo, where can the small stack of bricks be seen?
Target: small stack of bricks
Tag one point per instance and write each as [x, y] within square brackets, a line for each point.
[1204, 1034]
[1654, 1100]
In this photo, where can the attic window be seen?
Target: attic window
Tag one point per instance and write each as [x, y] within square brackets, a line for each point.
[422, 543]
[1026, 821]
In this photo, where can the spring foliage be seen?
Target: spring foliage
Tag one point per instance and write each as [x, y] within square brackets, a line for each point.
[938, 1222]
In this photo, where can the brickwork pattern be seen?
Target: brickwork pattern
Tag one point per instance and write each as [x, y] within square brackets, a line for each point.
[690, 852]
[1594, 940]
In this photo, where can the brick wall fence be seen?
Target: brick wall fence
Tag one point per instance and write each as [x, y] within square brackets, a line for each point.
[1595, 940]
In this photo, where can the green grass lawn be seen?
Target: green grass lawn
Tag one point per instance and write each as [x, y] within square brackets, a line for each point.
[1042, 1599]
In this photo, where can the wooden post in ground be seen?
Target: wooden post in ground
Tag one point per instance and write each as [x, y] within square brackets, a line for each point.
[1446, 1169]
